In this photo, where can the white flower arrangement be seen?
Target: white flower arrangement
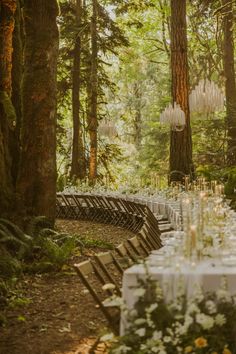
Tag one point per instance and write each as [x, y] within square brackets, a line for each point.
[204, 324]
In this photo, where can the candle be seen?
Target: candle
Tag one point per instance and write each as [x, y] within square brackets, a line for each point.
[193, 235]
[186, 182]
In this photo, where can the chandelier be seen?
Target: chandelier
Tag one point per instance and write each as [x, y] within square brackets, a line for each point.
[174, 116]
[107, 128]
[207, 97]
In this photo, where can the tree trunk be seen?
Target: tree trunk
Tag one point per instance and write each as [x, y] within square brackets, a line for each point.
[138, 117]
[230, 86]
[93, 88]
[181, 142]
[37, 175]
[78, 164]
[17, 70]
[7, 112]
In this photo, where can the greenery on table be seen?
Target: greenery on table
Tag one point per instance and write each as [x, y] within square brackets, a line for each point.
[203, 324]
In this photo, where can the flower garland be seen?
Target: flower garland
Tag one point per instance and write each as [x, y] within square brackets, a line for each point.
[204, 324]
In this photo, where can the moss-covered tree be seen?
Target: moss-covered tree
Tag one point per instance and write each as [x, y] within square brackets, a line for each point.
[7, 112]
[17, 71]
[37, 173]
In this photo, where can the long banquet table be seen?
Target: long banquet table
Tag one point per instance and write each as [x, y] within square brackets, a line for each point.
[208, 273]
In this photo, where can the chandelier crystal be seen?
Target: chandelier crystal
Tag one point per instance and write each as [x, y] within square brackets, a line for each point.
[174, 116]
[206, 97]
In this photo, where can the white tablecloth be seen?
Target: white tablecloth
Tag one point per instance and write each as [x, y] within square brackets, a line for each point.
[208, 274]
[158, 205]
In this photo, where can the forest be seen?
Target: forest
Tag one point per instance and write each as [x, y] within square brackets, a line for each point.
[106, 96]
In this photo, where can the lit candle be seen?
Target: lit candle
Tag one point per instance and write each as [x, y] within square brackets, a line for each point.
[186, 182]
[193, 235]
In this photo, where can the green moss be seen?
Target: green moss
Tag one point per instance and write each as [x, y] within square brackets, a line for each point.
[8, 108]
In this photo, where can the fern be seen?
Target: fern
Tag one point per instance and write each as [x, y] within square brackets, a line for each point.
[58, 255]
[15, 246]
[37, 224]
[15, 230]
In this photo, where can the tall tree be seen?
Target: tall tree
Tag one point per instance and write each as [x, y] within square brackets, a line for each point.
[230, 84]
[78, 163]
[93, 96]
[180, 142]
[37, 174]
[17, 71]
[7, 112]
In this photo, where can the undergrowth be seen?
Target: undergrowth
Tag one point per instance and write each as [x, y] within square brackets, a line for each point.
[39, 249]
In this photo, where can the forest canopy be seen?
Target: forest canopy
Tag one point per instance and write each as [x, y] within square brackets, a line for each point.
[83, 85]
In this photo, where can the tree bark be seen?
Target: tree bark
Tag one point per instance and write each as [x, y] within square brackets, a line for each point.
[93, 88]
[78, 164]
[17, 71]
[230, 85]
[180, 142]
[7, 112]
[37, 175]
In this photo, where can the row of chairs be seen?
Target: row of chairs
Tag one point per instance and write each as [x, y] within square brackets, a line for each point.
[110, 210]
[108, 267]
[105, 209]
[102, 276]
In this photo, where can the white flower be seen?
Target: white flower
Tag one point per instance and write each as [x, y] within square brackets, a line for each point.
[162, 351]
[139, 292]
[175, 306]
[157, 335]
[122, 349]
[223, 295]
[207, 322]
[107, 337]
[192, 308]
[170, 331]
[140, 321]
[151, 308]
[211, 307]
[159, 293]
[108, 286]
[167, 339]
[220, 319]
[141, 332]
[198, 294]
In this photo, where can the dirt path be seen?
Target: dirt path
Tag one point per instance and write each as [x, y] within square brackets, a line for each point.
[56, 314]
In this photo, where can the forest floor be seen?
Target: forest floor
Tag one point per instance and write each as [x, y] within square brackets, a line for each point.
[53, 313]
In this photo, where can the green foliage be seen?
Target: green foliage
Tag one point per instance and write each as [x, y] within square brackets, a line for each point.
[57, 255]
[230, 186]
[93, 243]
[18, 301]
[9, 266]
[8, 108]
[38, 223]
[204, 323]
[14, 240]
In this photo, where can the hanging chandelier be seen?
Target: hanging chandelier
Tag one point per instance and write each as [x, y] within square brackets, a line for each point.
[173, 116]
[107, 128]
[207, 98]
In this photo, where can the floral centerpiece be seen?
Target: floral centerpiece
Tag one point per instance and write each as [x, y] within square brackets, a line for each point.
[204, 324]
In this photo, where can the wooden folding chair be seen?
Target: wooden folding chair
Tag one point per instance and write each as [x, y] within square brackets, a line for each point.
[126, 257]
[61, 207]
[138, 247]
[88, 271]
[111, 268]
